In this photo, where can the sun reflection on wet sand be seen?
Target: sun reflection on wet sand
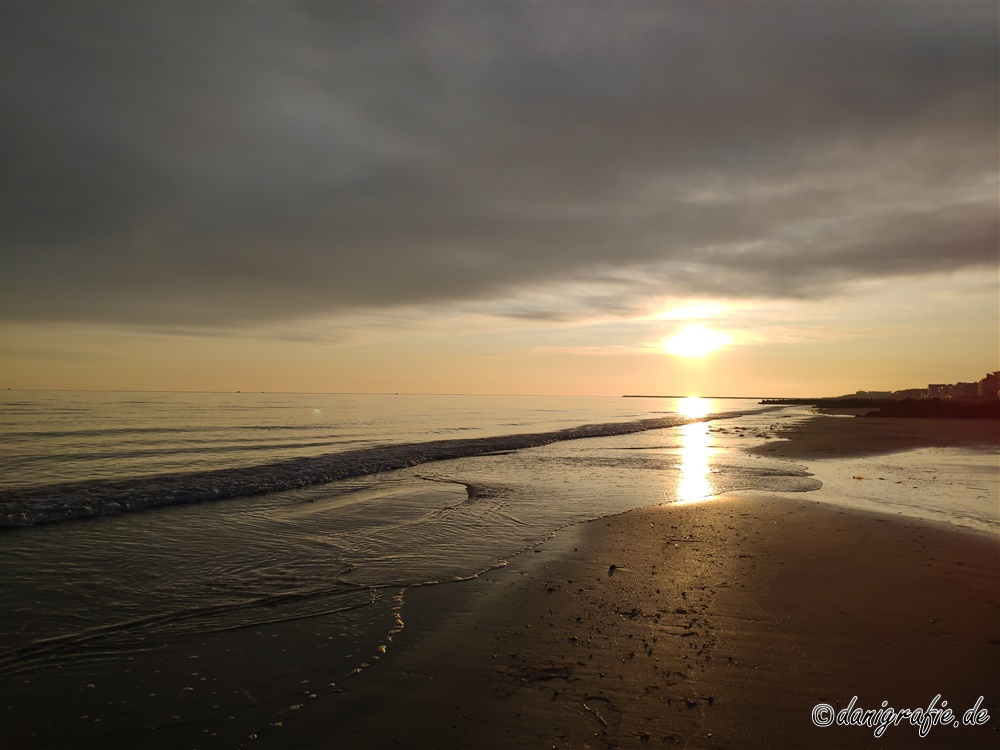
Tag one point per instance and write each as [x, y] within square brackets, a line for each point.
[696, 449]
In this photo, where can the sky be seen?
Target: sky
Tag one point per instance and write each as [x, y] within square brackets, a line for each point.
[763, 199]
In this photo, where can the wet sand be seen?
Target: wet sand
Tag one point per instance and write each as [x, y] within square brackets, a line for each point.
[717, 624]
[842, 435]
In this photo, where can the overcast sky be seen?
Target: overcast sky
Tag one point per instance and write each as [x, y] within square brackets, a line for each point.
[224, 168]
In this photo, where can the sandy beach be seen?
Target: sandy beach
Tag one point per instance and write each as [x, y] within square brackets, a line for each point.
[717, 624]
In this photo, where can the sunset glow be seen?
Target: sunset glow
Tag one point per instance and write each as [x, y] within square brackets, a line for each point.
[308, 305]
[536, 198]
[695, 341]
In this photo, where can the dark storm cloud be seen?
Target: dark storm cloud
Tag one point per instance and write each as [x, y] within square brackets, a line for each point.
[217, 163]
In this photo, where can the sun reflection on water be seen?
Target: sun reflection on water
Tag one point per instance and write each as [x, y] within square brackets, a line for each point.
[694, 407]
[696, 449]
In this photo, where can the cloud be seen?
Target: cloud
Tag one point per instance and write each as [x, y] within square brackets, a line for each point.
[231, 165]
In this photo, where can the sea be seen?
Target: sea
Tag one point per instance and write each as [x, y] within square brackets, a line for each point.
[181, 569]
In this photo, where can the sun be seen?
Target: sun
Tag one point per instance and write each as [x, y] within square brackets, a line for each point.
[695, 341]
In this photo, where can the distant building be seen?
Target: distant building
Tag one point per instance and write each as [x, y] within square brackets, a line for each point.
[936, 390]
[964, 390]
[872, 394]
[989, 387]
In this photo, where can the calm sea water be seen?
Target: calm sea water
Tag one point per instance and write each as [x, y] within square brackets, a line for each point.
[52, 437]
[196, 624]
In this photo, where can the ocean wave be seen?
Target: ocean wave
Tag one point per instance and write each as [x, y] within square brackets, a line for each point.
[21, 507]
[116, 432]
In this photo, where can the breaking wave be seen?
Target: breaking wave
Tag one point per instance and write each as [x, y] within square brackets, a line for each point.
[87, 499]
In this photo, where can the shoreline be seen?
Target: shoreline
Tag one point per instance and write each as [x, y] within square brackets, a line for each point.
[714, 624]
[843, 435]
[88, 499]
[701, 623]
[719, 626]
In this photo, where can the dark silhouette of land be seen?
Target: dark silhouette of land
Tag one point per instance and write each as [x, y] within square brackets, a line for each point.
[925, 408]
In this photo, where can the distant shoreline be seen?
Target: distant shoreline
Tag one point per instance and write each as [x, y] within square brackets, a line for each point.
[735, 398]
[925, 408]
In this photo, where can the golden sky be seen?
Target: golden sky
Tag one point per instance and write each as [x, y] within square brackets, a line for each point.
[550, 198]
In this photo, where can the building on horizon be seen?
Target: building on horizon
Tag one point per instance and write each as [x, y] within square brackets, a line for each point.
[964, 390]
[915, 393]
[989, 387]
